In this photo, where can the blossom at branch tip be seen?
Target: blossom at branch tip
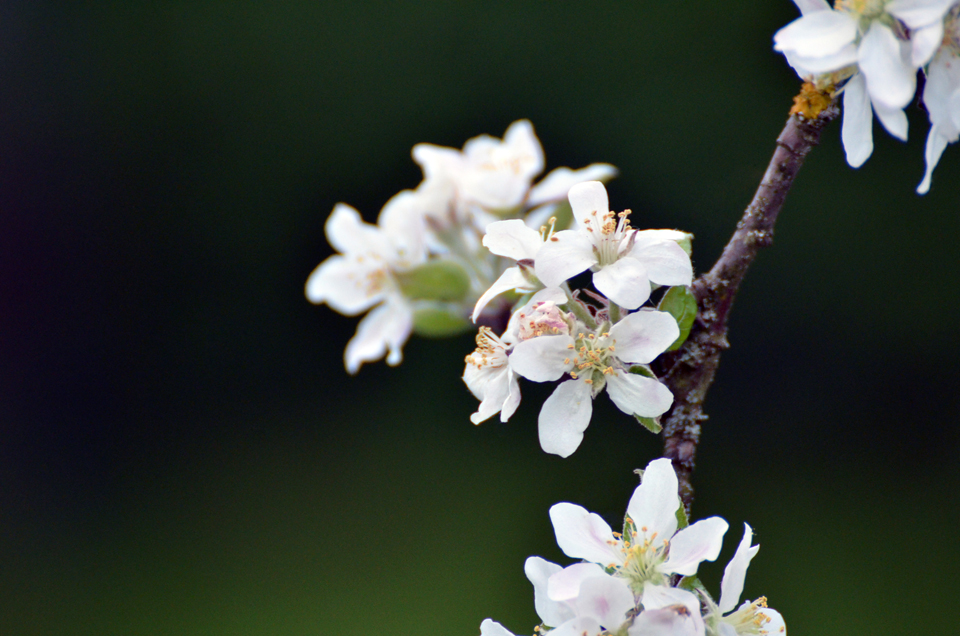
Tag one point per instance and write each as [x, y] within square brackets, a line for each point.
[876, 47]
[941, 96]
[625, 261]
[361, 276]
[651, 548]
[594, 362]
[751, 618]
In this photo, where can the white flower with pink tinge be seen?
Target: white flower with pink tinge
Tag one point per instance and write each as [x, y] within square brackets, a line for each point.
[625, 261]
[594, 362]
[653, 548]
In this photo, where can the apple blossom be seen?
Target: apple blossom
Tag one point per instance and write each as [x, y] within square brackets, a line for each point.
[751, 617]
[876, 47]
[595, 361]
[362, 276]
[625, 261]
[941, 96]
[651, 547]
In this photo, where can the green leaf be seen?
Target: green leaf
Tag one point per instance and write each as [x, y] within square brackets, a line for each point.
[439, 320]
[682, 520]
[652, 424]
[680, 303]
[435, 280]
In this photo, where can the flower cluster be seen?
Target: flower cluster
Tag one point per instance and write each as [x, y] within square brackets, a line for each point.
[871, 50]
[642, 582]
[555, 335]
[422, 267]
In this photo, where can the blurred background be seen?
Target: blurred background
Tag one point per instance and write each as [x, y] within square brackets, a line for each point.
[181, 450]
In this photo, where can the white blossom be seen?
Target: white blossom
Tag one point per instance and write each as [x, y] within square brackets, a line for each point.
[594, 362]
[491, 178]
[652, 548]
[514, 240]
[877, 47]
[625, 262]
[751, 618]
[579, 599]
[491, 380]
[941, 96]
[361, 276]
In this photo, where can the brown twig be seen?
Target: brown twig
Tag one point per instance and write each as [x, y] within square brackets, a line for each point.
[689, 371]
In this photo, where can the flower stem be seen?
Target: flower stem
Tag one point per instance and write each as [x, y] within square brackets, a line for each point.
[690, 370]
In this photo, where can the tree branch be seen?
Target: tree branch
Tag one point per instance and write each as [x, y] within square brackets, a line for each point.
[689, 371]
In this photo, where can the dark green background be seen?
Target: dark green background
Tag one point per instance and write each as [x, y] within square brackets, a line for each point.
[181, 451]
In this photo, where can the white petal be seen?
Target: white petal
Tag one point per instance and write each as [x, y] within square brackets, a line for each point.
[814, 65]
[643, 335]
[541, 359]
[606, 599]
[775, 625]
[521, 141]
[513, 399]
[700, 542]
[893, 119]
[809, 6]
[666, 263]
[556, 185]
[565, 255]
[511, 278]
[638, 395]
[624, 282]
[857, 129]
[384, 329]
[580, 626]
[402, 222]
[645, 238]
[344, 284]
[437, 161]
[349, 234]
[736, 572]
[493, 390]
[512, 239]
[490, 627]
[925, 42]
[587, 198]
[565, 585]
[891, 79]
[817, 34]
[662, 615]
[936, 143]
[919, 13]
[551, 612]
[564, 417]
[584, 535]
[655, 501]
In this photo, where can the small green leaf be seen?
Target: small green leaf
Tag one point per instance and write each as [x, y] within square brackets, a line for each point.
[439, 320]
[642, 369]
[652, 424]
[680, 303]
[682, 520]
[435, 280]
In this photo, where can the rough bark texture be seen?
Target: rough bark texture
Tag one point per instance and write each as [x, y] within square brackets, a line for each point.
[689, 371]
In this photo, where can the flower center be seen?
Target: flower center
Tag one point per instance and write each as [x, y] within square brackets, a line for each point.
[490, 352]
[592, 355]
[608, 230]
[546, 319]
[641, 556]
[870, 9]
[751, 619]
